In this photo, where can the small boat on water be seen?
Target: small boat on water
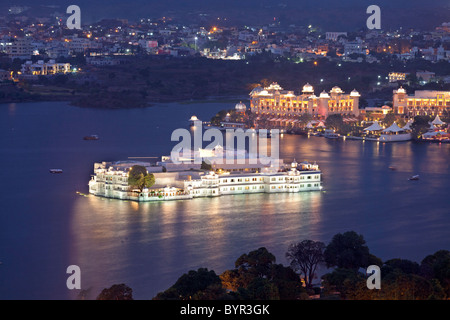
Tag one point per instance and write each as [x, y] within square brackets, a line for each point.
[392, 168]
[330, 134]
[416, 177]
[56, 171]
[91, 137]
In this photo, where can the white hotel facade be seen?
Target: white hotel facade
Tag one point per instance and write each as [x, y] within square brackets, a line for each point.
[212, 184]
[110, 180]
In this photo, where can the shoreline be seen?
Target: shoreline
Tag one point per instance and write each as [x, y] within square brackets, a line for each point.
[211, 99]
[71, 100]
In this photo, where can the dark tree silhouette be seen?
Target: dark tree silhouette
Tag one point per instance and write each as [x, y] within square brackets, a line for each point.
[347, 250]
[116, 292]
[305, 257]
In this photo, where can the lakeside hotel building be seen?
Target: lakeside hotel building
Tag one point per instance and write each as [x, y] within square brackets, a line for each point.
[110, 180]
[421, 103]
[273, 101]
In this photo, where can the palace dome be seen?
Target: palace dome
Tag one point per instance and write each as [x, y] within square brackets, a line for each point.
[240, 106]
[401, 90]
[294, 164]
[336, 89]
[290, 94]
[354, 93]
[274, 86]
[307, 88]
[324, 94]
[256, 90]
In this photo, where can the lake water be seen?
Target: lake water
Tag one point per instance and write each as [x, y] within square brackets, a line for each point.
[45, 225]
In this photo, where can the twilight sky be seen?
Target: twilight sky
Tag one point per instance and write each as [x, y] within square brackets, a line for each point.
[327, 14]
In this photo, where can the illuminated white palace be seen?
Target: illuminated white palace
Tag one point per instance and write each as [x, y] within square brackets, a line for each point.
[292, 180]
[110, 180]
[275, 101]
[422, 102]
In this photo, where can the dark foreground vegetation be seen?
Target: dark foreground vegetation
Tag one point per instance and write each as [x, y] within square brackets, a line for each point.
[257, 276]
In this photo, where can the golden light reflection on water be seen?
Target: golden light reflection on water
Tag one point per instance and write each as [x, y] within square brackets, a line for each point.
[98, 235]
[134, 205]
[147, 243]
[113, 237]
[12, 109]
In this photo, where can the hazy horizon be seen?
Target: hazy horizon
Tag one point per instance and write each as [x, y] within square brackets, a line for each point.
[329, 15]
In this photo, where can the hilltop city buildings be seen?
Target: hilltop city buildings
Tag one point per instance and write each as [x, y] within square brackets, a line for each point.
[24, 35]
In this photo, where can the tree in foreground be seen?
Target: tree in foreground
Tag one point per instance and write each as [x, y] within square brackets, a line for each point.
[202, 284]
[305, 257]
[436, 267]
[257, 263]
[397, 285]
[400, 265]
[348, 251]
[116, 292]
[248, 267]
[139, 178]
[256, 276]
[401, 279]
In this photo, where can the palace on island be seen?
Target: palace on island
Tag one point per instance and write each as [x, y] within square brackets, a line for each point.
[110, 180]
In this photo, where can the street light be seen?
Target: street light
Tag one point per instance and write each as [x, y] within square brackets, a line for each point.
[195, 39]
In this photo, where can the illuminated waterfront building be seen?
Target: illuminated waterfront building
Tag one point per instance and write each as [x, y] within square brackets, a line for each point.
[292, 180]
[422, 102]
[110, 180]
[42, 68]
[277, 102]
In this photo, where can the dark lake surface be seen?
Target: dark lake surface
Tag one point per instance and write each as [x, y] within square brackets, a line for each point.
[45, 225]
